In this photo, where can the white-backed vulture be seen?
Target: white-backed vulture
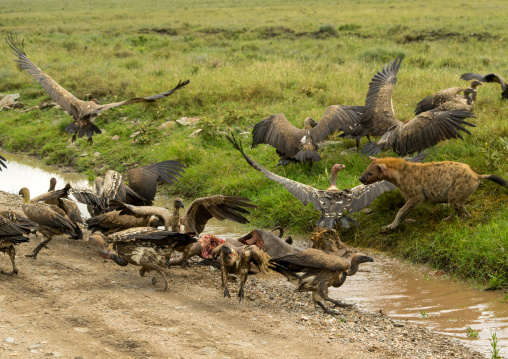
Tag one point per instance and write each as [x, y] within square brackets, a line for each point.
[412, 136]
[465, 102]
[298, 145]
[113, 221]
[492, 77]
[313, 270]
[140, 191]
[438, 99]
[51, 220]
[146, 247]
[334, 204]
[11, 234]
[83, 112]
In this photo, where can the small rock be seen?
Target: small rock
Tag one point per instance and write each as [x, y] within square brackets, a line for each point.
[188, 121]
[206, 351]
[9, 340]
[97, 154]
[135, 134]
[195, 133]
[35, 346]
[168, 125]
[84, 154]
[9, 99]
[303, 317]
[81, 329]
[55, 122]
[115, 138]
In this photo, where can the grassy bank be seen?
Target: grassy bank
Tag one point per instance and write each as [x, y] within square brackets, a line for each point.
[248, 60]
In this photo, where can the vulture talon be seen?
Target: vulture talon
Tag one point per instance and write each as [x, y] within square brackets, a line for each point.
[226, 293]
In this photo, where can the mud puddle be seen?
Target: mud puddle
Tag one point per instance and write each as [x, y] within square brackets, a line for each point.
[400, 290]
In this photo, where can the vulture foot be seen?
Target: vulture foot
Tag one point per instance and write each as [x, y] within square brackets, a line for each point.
[165, 282]
[387, 229]
[37, 249]
[241, 294]
[226, 293]
[142, 271]
[14, 271]
[327, 310]
[338, 303]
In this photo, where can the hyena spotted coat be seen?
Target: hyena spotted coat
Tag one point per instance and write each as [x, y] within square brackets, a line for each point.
[439, 182]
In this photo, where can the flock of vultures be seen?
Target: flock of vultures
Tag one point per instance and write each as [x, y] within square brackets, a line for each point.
[124, 225]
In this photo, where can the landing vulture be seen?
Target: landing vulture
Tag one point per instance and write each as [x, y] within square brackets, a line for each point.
[83, 112]
[298, 145]
[415, 135]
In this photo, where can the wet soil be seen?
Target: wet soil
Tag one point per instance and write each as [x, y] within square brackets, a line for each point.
[71, 303]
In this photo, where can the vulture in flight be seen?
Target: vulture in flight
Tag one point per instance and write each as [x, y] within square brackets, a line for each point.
[313, 270]
[299, 145]
[492, 77]
[142, 246]
[412, 136]
[140, 191]
[450, 94]
[333, 203]
[83, 112]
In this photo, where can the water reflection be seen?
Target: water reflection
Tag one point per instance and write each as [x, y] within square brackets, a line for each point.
[402, 291]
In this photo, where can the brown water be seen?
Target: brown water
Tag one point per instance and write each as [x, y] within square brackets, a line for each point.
[400, 290]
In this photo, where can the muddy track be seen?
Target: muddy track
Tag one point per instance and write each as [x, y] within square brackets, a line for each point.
[71, 303]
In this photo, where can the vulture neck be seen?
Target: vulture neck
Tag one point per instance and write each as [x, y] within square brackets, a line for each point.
[175, 221]
[353, 268]
[333, 180]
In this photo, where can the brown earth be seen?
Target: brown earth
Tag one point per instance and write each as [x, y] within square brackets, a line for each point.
[70, 303]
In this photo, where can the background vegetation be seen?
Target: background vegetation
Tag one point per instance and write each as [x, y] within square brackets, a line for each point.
[249, 59]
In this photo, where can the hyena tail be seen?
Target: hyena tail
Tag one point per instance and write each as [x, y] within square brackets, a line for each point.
[496, 179]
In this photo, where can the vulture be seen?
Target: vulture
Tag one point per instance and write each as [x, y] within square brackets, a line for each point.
[144, 246]
[51, 220]
[488, 78]
[273, 245]
[143, 211]
[83, 112]
[140, 191]
[12, 233]
[299, 145]
[438, 99]
[70, 208]
[199, 212]
[114, 221]
[313, 270]
[412, 136]
[464, 102]
[333, 203]
[236, 261]
[2, 163]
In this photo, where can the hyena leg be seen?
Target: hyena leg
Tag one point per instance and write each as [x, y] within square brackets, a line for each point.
[403, 212]
[459, 210]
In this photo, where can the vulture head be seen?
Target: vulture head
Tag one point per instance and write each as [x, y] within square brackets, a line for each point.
[97, 241]
[333, 181]
[52, 184]
[475, 83]
[178, 203]
[25, 193]
[356, 260]
[308, 123]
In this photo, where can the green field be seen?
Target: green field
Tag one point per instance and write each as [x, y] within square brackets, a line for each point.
[247, 60]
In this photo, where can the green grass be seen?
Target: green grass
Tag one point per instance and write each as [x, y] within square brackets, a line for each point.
[250, 59]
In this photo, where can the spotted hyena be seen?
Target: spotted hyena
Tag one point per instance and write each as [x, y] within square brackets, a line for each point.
[439, 182]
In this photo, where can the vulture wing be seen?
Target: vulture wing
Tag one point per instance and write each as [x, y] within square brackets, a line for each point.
[113, 187]
[337, 118]
[304, 193]
[156, 236]
[220, 207]
[90, 197]
[433, 101]
[49, 196]
[51, 216]
[312, 259]
[2, 163]
[278, 132]
[378, 115]
[10, 229]
[258, 256]
[60, 95]
[492, 77]
[143, 180]
[98, 109]
[423, 131]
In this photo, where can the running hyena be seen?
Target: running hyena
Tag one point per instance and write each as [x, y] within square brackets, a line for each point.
[439, 182]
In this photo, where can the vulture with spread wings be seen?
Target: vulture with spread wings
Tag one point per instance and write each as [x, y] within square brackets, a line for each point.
[83, 112]
[415, 135]
[492, 77]
[333, 203]
[140, 191]
[298, 145]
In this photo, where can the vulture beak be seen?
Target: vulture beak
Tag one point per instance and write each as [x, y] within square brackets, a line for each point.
[365, 259]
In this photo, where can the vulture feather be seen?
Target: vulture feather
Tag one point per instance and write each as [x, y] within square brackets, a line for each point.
[492, 77]
[444, 96]
[12, 233]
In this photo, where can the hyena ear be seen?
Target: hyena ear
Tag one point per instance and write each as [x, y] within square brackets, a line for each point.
[382, 168]
[372, 158]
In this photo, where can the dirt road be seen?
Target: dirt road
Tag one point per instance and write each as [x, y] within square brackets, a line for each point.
[70, 303]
